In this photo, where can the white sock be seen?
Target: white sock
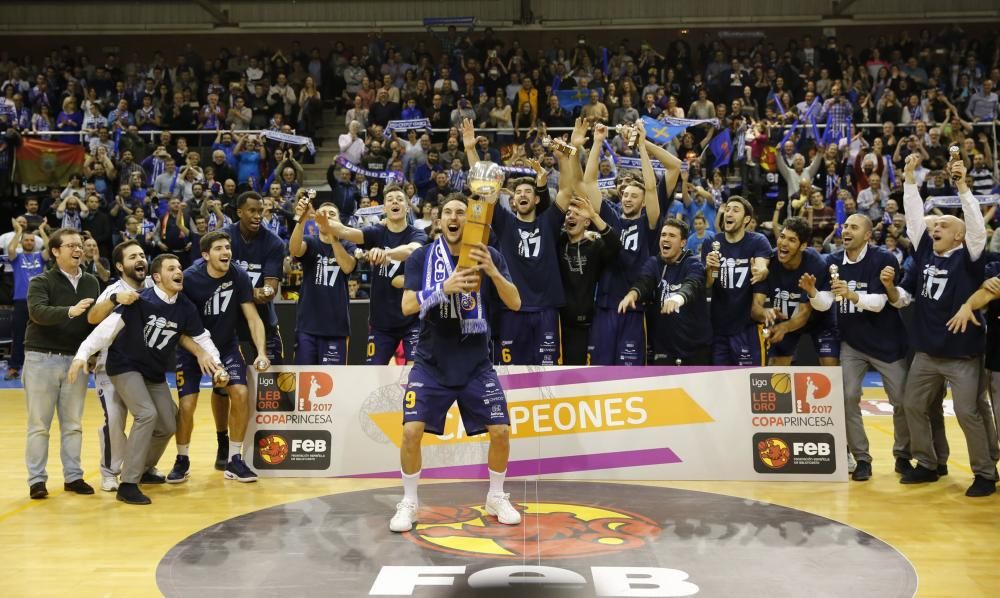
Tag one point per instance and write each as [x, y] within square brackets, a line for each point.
[496, 481]
[182, 449]
[410, 482]
[235, 448]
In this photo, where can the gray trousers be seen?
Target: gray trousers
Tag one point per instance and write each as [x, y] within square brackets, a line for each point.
[972, 410]
[854, 365]
[155, 421]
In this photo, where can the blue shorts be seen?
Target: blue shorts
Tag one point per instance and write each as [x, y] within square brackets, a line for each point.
[826, 342]
[189, 372]
[481, 402]
[746, 348]
[528, 338]
[320, 350]
[382, 343]
[617, 339]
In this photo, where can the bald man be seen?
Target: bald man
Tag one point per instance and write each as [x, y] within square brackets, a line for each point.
[948, 268]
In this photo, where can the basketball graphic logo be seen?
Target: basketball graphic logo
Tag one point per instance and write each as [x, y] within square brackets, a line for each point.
[781, 383]
[773, 452]
[273, 449]
[286, 382]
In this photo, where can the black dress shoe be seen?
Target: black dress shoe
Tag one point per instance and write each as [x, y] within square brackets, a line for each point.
[130, 494]
[151, 478]
[863, 472]
[79, 487]
[38, 490]
[919, 475]
[981, 487]
[942, 470]
[903, 465]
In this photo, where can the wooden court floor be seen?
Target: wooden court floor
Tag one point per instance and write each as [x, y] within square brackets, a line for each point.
[83, 546]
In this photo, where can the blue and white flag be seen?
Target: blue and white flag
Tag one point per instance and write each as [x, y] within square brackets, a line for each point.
[406, 125]
[290, 139]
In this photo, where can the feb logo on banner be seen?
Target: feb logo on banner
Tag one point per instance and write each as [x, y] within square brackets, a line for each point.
[292, 449]
[794, 453]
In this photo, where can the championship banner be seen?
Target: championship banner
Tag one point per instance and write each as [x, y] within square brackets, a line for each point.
[617, 423]
[49, 163]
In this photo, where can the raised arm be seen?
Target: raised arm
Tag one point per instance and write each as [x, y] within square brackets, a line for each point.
[469, 141]
[297, 244]
[913, 204]
[651, 201]
[975, 225]
[588, 184]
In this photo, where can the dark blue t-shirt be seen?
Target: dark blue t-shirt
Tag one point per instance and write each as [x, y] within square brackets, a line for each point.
[451, 356]
[878, 334]
[149, 339]
[386, 311]
[786, 295]
[26, 266]
[261, 257]
[218, 300]
[685, 331]
[323, 300]
[637, 246]
[732, 292]
[531, 250]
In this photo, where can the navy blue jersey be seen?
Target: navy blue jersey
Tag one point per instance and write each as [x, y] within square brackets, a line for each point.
[261, 257]
[218, 300]
[992, 319]
[386, 311]
[531, 250]
[686, 330]
[940, 285]
[786, 295]
[637, 245]
[732, 292]
[149, 339]
[452, 357]
[323, 299]
[878, 334]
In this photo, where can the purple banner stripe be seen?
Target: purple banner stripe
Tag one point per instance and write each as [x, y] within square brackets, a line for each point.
[550, 465]
[561, 377]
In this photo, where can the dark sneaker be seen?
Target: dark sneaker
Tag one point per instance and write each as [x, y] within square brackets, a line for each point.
[919, 475]
[903, 465]
[180, 472]
[79, 487]
[981, 487]
[942, 469]
[153, 477]
[863, 472]
[38, 490]
[130, 494]
[237, 470]
[222, 453]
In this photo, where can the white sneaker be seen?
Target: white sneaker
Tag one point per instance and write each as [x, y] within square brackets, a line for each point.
[405, 517]
[851, 463]
[109, 483]
[498, 504]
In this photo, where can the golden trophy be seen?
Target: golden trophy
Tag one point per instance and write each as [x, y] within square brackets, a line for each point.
[485, 180]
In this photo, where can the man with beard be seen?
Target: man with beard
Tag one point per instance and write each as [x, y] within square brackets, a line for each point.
[389, 245]
[800, 271]
[261, 254]
[732, 273]
[675, 279]
[528, 241]
[223, 295]
[141, 338]
[453, 358]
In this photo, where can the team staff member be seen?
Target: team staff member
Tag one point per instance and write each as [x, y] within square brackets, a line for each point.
[322, 320]
[222, 293]
[388, 246]
[57, 302]
[733, 273]
[141, 338]
[453, 358]
[676, 280]
[261, 253]
[948, 259]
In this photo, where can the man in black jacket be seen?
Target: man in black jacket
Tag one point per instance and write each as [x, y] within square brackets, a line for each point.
[57, 303]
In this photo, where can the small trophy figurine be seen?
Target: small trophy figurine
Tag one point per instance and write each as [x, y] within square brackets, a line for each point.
[629, 132]
[485, 179]
[834, 276]
[717, 248]
[221, 378]
[955, 155]
[555, 144]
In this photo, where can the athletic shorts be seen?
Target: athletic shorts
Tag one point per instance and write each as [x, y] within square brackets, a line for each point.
[320, 350]
[826, 342]
[382, 343]
[481, 402]
[189, 372]
[617, 339]
[529, 337]
[745, 348]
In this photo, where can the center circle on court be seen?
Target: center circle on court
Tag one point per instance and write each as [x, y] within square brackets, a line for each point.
[590, 536]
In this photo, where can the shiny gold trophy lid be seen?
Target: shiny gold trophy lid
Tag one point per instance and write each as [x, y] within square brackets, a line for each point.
[485, 180]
